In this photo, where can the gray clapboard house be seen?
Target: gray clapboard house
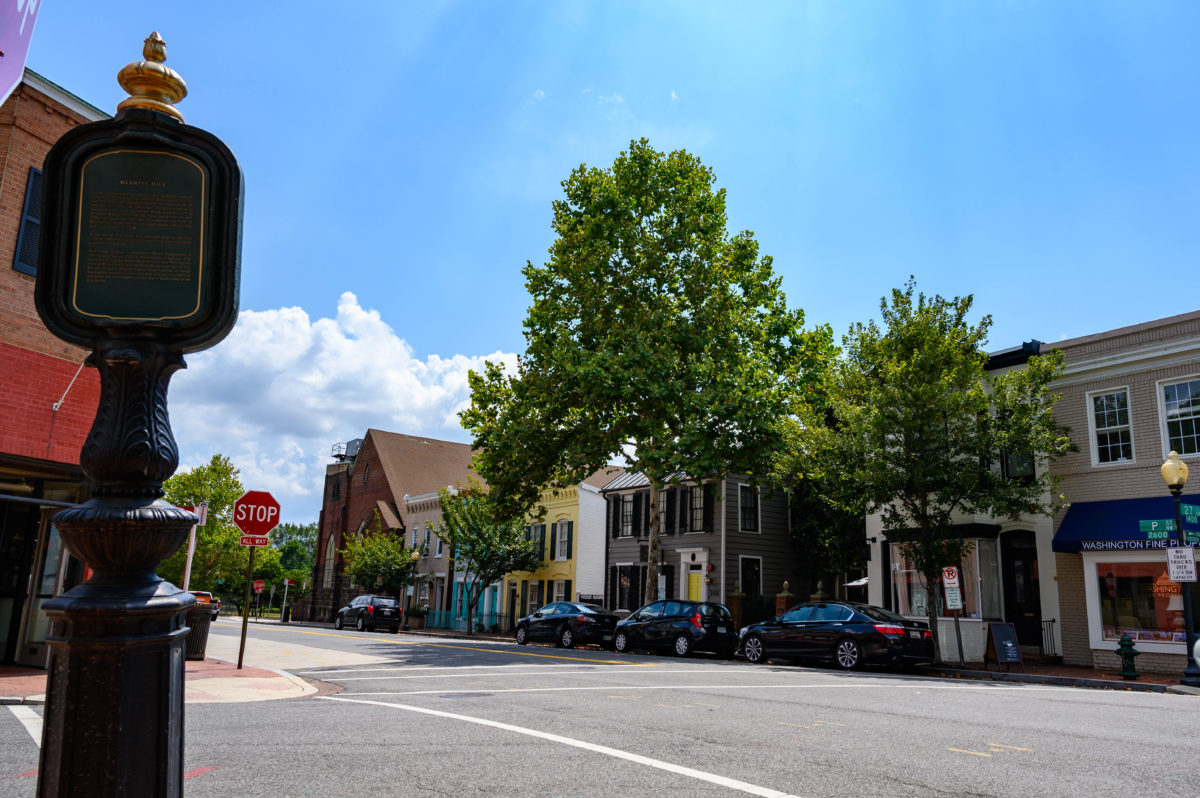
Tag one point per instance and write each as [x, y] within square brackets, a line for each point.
[725, 541]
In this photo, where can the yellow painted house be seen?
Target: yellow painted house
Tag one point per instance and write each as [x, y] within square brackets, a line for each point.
[570, 534]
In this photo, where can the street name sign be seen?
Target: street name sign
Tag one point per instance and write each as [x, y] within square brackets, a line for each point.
[1157, 530]
[1190, 512]
[1181, 565]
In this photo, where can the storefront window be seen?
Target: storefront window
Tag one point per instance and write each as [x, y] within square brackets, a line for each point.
[1137, 599]
[979, 577]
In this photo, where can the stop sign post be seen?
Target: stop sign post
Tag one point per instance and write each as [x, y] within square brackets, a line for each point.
[255, 513]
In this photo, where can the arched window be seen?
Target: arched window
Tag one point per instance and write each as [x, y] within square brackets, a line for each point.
[330, 553]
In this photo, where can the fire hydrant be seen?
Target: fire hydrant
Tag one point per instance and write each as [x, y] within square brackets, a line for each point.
[1127, 653]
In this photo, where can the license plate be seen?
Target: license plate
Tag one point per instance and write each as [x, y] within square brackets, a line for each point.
[721, 630]
[914, 633]
[608, 637]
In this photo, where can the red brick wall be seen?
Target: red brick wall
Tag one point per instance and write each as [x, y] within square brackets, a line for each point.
[30, 386]
[35, 366]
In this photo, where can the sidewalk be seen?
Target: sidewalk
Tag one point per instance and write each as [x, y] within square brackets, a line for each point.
[211, 681]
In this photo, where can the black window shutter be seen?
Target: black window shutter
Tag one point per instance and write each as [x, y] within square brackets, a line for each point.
[570, 537]
[541, 594]
[529, 533]
[524, 608]
[670, 523]
[646, 512]
[637, 515]
[26, 258]
[567, 591]
[708, 507]
[614, 515]
[685, 509]
[641, 586]
[669, 575]
[613, 595]
[553, 541]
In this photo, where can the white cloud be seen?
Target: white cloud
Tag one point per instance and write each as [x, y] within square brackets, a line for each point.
[539, 95]
[282, 388]
[614, 99]
[674, 97]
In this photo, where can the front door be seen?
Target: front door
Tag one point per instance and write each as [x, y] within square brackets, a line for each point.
[1022, 592]
[18, 536]
[695, 582]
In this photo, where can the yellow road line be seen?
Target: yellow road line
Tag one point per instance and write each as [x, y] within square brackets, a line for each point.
[961, 751]
[828, 723]
[473, 648]
[797, 725]
[710, 706]
[1011, 747]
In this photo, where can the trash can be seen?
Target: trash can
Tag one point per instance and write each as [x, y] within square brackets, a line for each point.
[199, 618]
[287, 614]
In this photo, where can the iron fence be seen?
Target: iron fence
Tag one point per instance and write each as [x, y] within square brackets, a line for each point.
[485, 622]
[1048, 647]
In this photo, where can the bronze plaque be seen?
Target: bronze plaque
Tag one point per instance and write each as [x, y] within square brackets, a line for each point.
[139, 236]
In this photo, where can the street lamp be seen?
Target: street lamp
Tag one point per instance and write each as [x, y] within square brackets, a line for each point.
[1175, 474]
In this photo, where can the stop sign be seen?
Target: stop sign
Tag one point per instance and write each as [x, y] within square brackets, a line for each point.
[256, 512]
[259, 585]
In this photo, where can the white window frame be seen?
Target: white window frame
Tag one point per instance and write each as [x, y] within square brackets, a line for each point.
[531, 592]
[560, 545]
[1160, 388]
[416, 531]
[560, 590]
[437, 553]
[696, 510]
[626, 530]
[428, 529]
[1093, 431]
[741, 558]
[634, 600]
[1092, 594]
[757, 508]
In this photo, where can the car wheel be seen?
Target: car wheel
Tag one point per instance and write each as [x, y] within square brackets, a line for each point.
[337, 622]
[754, 650]
[848, 654]
[566, 638]
[361, 625]
[683, 645]
[620, 643]
[522, 635]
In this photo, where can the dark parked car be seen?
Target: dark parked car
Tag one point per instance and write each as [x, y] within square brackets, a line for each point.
[847, 633]
[679, 626]
[368, 612]
[568, 623]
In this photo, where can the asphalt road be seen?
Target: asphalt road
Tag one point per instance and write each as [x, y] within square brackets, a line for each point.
[420, 716]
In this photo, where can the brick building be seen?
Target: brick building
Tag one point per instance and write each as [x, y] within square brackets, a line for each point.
[49, 397]
[382, 471]
[1130, 396]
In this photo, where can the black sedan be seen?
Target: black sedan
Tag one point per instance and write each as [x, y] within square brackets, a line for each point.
[567, 623]
[678, 626]
[367, 612]
[847, 633]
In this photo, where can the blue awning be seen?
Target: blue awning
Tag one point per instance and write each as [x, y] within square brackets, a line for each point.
[1113, 525]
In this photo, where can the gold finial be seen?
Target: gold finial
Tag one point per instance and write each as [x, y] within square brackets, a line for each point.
[149, 83]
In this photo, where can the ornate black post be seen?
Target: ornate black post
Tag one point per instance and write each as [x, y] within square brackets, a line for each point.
[139, 261]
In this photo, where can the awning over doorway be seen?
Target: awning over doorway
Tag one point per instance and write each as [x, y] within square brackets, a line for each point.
[1113, 525]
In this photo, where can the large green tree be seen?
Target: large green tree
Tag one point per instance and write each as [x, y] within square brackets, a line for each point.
[653, 335]
[485, 542]
[924, 433]
[378, 559]
[219, 563]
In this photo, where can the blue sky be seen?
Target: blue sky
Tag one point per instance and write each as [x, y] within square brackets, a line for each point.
[401, 160]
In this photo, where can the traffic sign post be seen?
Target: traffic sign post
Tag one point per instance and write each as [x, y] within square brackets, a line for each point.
[954, 602]
[255, 513]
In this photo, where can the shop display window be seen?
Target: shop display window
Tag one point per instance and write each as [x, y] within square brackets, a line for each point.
[1137, 599]
[979, 576]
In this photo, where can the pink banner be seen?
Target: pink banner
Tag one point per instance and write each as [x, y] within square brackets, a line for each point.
[17, 18]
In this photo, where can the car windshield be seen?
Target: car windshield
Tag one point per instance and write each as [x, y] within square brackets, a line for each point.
[385, 602]
[879, 613]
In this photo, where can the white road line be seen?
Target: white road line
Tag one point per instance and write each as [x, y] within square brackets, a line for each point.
[31, 720]
[498, 675]
[711, 778]
[624, 687]
[423, 668]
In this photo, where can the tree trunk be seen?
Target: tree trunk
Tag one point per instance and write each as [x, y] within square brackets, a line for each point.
[932, 614]
[652, 548]
[471, 602]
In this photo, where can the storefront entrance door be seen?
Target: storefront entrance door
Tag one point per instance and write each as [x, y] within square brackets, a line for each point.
[1022, 592]
[18, 534]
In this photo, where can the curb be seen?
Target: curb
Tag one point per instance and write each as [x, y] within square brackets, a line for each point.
[1059, 681]
[17, 699]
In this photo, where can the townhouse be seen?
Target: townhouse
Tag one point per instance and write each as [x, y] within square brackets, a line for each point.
[569, 533]
[724, 540]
